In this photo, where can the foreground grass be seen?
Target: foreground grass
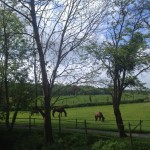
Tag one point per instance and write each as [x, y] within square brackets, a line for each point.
[23, 140]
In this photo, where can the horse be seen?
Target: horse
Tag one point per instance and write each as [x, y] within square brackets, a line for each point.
[37, 110]
[34, 110]
[60, 110]
[99, 115]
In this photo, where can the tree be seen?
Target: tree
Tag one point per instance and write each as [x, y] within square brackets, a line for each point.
[59, 28]
[123, 53]
[12, 54]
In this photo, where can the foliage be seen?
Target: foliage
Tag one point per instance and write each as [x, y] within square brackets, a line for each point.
[110, 145]
[61, 90]
[13, 65]
[23, 140]
[12, 49]
[117, 144]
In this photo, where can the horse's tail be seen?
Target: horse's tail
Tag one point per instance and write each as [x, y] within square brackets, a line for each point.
[95, 117]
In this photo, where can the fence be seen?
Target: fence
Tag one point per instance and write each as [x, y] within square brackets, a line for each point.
[85, 126]
[109, 125]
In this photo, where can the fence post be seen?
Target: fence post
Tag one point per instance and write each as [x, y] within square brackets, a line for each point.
[130, 136]
[59, 124]
[85, 125]
[29, 124]
[140, 126]
[86, 138]
[76, 124]
[34, 121]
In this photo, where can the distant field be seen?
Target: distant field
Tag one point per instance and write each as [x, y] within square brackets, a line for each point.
[132, 113]
[83, 99]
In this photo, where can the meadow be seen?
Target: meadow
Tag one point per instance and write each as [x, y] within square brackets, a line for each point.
[21, 138]
[131, 113]
[73, 100]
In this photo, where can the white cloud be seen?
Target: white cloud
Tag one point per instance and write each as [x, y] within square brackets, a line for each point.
[145, 78]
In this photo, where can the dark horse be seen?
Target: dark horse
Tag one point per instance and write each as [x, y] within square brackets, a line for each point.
[99, 115]
[37, 110]
[60, 110]
[34, 110]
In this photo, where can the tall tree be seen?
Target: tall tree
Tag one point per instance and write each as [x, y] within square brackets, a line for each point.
[124, 52]
[12, 53]
[59, 28]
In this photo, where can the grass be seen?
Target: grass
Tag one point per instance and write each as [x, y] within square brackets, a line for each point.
[132, 113]
[23, 140]
[85, 99]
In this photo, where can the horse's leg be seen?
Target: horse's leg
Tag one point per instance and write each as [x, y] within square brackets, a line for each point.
[37, 113]
[53, 113]
[32, 112]
[100, 118]
[59, 114]
[65, 113]
[95, 118]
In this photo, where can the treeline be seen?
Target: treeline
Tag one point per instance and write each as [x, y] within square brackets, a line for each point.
[28, 93]
[64, 90]
[33, 91]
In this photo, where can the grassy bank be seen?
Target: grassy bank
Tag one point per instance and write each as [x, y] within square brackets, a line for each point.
[21, 139]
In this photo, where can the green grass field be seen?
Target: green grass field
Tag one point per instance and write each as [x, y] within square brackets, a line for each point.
[84, 99]
[132, 113]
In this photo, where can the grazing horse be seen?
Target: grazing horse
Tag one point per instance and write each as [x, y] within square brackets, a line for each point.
[34, 110]
[99, 115]
[37, 110]
[60, 110]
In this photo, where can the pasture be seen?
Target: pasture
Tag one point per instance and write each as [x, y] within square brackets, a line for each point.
[85, 99]
[132, 113]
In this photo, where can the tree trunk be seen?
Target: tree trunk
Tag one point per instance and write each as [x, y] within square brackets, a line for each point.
[119, 122]
[5, 72]
[46, 87]
[15, 115]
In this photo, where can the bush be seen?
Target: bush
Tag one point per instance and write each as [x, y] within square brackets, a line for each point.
[23, 140]
[110, 145]
[120, 144]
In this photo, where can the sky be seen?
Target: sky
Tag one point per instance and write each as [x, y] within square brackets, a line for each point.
[145, 77]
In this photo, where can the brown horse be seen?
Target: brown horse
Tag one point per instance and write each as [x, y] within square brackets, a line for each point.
[99, 115]
[60, 110]
[34, 110]
[37, 110]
